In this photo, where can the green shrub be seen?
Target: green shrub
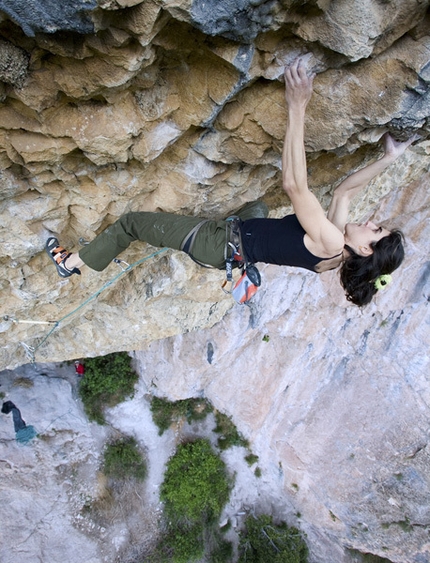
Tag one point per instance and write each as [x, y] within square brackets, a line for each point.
[251, 459]
[179, 544]
[108, 380]
[194, 491]
[263, 541]
[222, 552]
[184, 543]
[122, 459]
[25, 382]
[195, 486]
[187, 544]
[229, 435]
[165, 412]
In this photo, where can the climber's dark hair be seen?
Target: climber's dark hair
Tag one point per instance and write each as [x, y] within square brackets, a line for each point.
[359, 273]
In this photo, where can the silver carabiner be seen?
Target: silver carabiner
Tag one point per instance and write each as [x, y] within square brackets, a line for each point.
[120, 264]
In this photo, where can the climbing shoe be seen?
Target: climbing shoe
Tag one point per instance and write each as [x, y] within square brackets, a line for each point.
[59, 255]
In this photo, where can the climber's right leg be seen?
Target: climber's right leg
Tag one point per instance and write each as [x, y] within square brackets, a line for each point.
[157, 229]
[60, 256]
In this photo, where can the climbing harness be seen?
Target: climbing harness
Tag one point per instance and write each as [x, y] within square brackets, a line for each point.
[249, 282]
[31, 350]
[188, 243]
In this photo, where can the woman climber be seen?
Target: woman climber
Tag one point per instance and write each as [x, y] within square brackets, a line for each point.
[366, 253]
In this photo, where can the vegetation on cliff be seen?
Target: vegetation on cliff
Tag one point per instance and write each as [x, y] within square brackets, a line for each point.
[108, 380]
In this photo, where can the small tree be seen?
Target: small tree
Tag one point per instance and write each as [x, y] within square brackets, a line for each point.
[165, 412]
[229, 434]
[108, 380]
[263, 541]
[122, 460]
[194, 491]
[195, 487]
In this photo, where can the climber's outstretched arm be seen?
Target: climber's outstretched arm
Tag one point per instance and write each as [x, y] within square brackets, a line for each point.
[298, 91]
[354, 184]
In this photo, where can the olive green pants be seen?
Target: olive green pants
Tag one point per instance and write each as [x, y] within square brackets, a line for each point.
[165, 230]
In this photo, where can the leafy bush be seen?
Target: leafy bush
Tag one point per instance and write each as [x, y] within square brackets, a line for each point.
[263, 541]
[251, 459]
[108, 380]
[179, 544]
[122, 459]
[184, 543]
[195, 486]
[221, 552]
[165, 412]
[229, 433]
[195, 490]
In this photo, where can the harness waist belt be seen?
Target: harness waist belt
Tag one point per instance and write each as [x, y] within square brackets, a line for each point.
[234, 245]
[187, 243]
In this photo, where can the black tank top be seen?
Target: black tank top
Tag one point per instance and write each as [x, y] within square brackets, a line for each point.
[278, 241]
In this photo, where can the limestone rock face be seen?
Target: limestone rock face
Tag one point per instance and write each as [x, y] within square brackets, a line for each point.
[164, 109]
[338, 411]
[178, 105]
[51, 485]
[26, 490]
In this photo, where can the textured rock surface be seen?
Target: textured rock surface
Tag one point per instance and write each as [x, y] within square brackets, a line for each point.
[178, 106]
[338, 412]
[48, 17]
[57, 504]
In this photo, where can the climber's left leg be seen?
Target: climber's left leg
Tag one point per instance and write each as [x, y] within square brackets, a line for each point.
[157, 229]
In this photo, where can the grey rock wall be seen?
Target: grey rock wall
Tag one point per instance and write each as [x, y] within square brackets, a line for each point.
[48, 16]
